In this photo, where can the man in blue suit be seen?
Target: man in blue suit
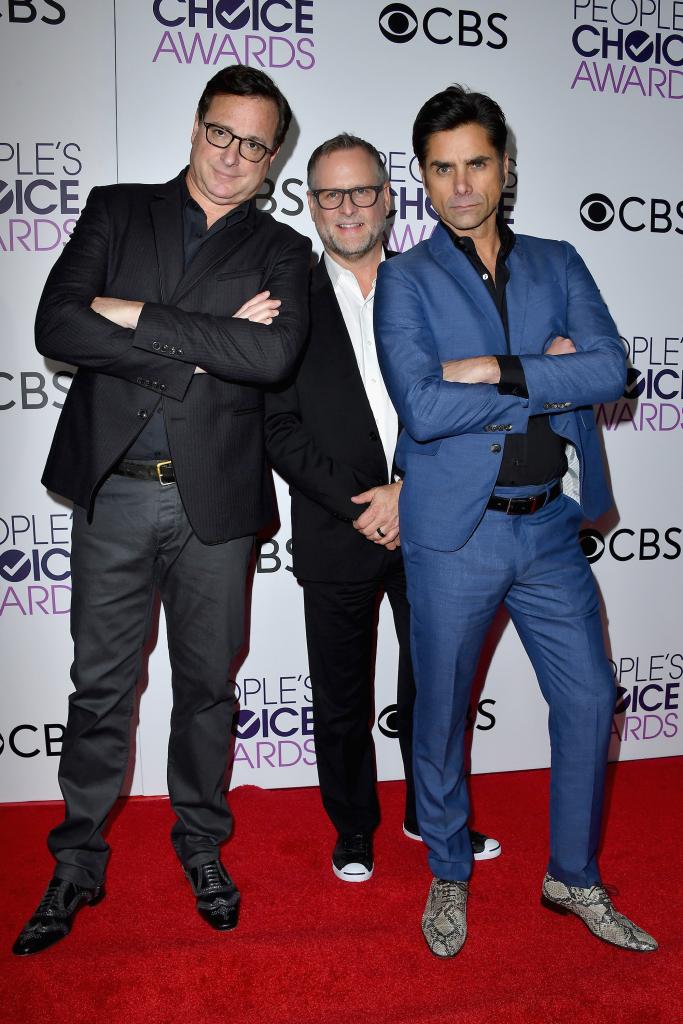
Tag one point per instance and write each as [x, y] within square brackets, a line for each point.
[494, 347]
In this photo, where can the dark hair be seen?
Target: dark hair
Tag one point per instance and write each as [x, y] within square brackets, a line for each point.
[341, 142]
[456, 106]
[238, 80]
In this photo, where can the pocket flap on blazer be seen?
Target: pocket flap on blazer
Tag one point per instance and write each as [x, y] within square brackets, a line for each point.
[231, 275]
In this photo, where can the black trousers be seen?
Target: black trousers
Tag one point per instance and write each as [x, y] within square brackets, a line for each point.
[140, 541]
[340, 634]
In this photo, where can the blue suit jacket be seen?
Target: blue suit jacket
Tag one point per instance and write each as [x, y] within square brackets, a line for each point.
[431, 306]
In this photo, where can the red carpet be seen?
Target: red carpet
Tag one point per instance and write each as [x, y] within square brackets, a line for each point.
[311, 949]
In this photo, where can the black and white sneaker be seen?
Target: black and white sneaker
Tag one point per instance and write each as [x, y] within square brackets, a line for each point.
[352, 858]
[483, 847]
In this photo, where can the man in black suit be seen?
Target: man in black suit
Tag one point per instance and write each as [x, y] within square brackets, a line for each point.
[331, 433]
[178, 303]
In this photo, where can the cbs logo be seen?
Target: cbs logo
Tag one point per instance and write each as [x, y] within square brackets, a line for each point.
[623, 545]
[23, 12]
[399, 24]
[598, 212]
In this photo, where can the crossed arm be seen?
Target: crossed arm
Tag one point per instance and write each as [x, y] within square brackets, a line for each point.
[119, 337]
[486, 369]
[260, 309]
[436, 401]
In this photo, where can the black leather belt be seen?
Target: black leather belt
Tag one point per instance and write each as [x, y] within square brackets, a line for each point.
[163, 471]
[524, 506]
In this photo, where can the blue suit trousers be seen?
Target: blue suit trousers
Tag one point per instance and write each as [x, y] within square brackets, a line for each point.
[534, 565]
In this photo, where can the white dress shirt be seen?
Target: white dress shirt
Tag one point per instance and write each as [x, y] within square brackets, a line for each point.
[357, 313]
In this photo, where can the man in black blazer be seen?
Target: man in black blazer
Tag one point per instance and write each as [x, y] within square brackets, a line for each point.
[331, 433]
[178, 303]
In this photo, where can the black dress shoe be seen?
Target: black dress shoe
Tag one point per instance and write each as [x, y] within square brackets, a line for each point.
[352, 859]
[218, 899]
[53, 919]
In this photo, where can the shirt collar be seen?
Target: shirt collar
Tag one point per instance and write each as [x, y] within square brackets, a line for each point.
[233, 217]
[505, 232]
[340, 276]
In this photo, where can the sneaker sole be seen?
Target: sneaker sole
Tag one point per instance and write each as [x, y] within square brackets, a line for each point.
[489, 854]
[361, 875]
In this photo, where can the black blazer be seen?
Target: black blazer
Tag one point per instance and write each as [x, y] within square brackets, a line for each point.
[128, 243]
[321, 436]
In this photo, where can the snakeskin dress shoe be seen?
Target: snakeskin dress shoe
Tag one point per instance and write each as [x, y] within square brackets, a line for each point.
[444, 922]
[218, 899]
[53, 919]
[595, 908]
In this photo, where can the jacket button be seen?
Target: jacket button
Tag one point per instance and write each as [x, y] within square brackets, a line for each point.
[142, 413]
[508, 426]
[138, 380]
[495, 448]
[156, 346]
[180, 351]
[162, 387]
[164, 348]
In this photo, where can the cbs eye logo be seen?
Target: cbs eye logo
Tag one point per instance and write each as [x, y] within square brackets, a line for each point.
[597, 211]
[387, 720]
[592, 544]
[398, 23]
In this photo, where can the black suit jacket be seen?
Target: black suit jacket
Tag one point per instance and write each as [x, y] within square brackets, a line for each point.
[128, 243]
[321, 436]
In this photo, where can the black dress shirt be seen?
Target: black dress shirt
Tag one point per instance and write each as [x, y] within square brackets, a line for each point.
[151, 444]
[538, 456]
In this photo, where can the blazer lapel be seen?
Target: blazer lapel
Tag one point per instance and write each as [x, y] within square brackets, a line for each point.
[215, 250]
[457, 264]
[340, 358]
[339, 348]
[167, 223]
[517, 294]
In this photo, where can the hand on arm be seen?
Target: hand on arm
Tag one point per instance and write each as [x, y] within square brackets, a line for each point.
[381, 514]
[260, 309]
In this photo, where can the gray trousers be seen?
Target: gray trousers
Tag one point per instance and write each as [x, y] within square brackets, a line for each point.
[138, 543]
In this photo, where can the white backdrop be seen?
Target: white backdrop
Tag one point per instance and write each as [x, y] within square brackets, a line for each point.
[97, 93]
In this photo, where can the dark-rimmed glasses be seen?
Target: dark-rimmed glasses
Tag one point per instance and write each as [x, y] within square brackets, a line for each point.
[250, 149]
[361, 195]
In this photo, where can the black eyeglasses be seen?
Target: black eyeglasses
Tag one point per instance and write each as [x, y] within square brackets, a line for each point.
[361, 195]
[250, 149]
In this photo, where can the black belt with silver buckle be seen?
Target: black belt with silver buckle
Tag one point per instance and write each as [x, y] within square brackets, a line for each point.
[524, 506]
[163, 471]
